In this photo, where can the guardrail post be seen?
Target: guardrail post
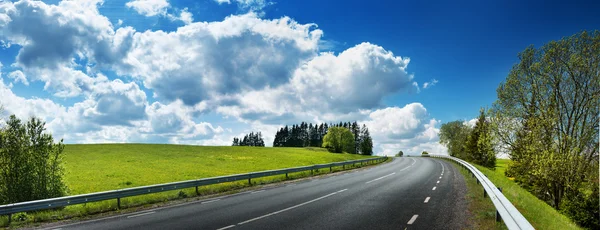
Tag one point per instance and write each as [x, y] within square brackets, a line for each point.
[197, 193]
[330, 170]
[484, 193]
[249, 180]
[286, 176]
[9, 218]
[119, 203]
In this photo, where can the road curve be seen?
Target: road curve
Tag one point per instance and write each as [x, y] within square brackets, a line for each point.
[407, 193]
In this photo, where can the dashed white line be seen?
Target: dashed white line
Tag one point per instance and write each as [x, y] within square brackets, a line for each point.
[290, 208]
[257, 191]
[380, 178]
[438, 182]
[433, 188]
[426, 199]
[440, 177]
[209, 201]
[141, 214]
[226, 227]
[412, 220]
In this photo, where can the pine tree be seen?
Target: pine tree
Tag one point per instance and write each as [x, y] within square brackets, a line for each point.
[366, 144]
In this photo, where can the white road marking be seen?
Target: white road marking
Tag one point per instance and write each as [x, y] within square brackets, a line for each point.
[226, 227]
[290, 208]
[257, 191]
[380, 178]
[209, 201]
[438, 182]
[290, 185]
[412, 220]
[440, 177]
[426, 199]
[141, 214]
[433, 188]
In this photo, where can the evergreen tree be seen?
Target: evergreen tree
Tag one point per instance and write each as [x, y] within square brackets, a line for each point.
[479, 143]
[366, 144]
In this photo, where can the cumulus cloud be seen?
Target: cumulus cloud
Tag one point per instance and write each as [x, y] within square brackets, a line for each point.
[205, 60]
[18, 76]
[149, 8]
[409, 129]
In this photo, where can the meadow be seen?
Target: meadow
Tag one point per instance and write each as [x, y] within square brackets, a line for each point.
[101, 167]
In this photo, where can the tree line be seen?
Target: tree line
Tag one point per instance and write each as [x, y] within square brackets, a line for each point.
[251, 139]
[309, 135]
[546, 119]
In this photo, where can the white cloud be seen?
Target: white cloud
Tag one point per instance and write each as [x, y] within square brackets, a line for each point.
[149, 8]
[186, 17]
[253, 5]
[429, 84]
[18, 76]
[408, 129]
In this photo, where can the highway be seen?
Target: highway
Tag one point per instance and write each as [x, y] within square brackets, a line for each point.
[407, 193]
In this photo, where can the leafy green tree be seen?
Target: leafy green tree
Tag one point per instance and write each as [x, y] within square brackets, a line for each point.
[454, 135]
[366, 142]
[547, 117]
[338, 140]
[400, 154]
[30, 162]
[479, 148]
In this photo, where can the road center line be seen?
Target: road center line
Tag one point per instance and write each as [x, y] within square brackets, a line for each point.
[438, 182]
[426, 199]
[380, 178]
[141, 214]
[226, 227]
[209, 201]
[433, 188]
[412, 220]
[440, 177]
[293, 207]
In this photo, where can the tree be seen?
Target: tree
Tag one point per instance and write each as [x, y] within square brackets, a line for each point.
[366, 142]
[30, 162]
[425, 153]
[236, 142]
[546, 115]
[400, 154]
[454, 135]
[479, 147]
[338, 140]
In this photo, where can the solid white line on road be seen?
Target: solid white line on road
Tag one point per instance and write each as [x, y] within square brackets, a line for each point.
[426, 199]
[290, 208]
[141, 214]
[412, 220]
[209, 201]
[414, 161]
[433, 188]
[257, 191]
[438, 182]
[226, 227]
[380, 178]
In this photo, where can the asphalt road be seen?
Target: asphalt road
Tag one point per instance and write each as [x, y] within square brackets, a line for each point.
[407, 193]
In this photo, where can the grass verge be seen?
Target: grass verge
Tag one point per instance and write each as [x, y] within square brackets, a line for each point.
[536, 211]
[93, 168]
[482, 210]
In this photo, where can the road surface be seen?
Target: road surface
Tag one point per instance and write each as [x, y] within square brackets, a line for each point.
[407, 193]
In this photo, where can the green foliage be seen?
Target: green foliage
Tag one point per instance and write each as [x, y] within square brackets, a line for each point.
[454, 136]
[251, 139]
[400, 154]
[338, 140]
[547, 116]
[424, 153]
[30, 162]
[478, 147]
[365, 141]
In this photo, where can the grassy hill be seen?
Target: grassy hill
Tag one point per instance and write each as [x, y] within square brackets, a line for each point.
[100, 167]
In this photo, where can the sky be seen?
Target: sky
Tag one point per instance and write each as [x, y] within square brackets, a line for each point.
[203, 72]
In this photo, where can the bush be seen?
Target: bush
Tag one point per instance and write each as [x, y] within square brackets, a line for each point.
[31, 162]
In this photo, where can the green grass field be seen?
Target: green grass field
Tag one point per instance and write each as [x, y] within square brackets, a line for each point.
[536, 211]
[100, 167]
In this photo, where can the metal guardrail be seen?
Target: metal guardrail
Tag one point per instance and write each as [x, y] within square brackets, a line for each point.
[37, 205]
[504, 209]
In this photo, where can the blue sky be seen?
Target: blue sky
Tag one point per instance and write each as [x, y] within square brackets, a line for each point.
[202, 72]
